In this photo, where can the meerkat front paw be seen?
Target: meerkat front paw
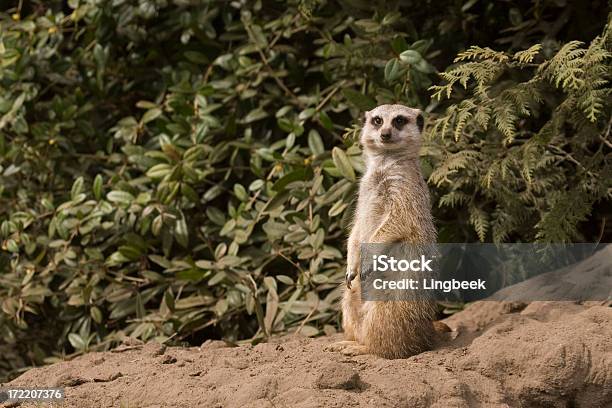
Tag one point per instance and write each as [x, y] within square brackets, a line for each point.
[350, 275]
[348, 348]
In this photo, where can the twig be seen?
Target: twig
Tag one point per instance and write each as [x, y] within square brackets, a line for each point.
[329, 96]
[299, 329]
[280, 83]
[286, 258]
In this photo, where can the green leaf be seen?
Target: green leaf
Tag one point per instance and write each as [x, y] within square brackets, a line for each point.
[392, 70]
[228, 227]
[76, 341]
[145, 104]
[12, 246]
[181, 232]
[411, 56]
[326, 121]
[121, 197]
[343, 164]
[96, 314]
[215, 215]
[315, 144]
[188, 192]
[151, 115]
[77, 187]
[258, 36]
[276, 201]
[359, 100]
[306, 114]
[399, 44]
[302, 173]
[337, 208]
[159, 171]
[97, 187]
[240, 192]
[284, 279]
[255, 115]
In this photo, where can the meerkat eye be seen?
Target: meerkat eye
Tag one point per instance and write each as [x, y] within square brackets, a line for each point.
[377, 121]
[399, 121]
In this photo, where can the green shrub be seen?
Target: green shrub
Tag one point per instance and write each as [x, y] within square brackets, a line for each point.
[527, 148]
[184, 170]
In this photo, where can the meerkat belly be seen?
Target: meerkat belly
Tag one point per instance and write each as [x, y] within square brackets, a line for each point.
[370, 215]
[374, 207]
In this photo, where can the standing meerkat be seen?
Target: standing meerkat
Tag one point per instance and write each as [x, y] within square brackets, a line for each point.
[393, 206]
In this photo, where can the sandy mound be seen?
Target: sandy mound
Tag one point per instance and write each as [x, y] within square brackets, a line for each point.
[590, 278]
[500, 353]
[505, 354]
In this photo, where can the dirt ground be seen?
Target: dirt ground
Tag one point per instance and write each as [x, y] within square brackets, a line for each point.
[549, 354]
[499, 354]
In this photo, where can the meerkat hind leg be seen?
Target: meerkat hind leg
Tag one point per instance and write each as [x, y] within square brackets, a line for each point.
[348, 348]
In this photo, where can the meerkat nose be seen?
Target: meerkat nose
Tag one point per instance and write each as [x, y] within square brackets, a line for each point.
[385, 136]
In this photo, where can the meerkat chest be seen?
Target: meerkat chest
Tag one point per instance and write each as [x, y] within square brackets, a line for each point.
[376, 195]
[378, 189]
[382, 189]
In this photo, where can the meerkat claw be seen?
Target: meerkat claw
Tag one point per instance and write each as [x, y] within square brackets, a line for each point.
[349, 278]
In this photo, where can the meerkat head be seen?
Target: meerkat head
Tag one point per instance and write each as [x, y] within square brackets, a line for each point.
[392, 128]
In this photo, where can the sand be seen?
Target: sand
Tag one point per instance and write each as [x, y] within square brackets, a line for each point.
[499, 354]
[548, 354]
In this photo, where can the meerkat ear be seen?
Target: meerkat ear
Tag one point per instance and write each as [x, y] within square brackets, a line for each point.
[365, 116]
[420, 121]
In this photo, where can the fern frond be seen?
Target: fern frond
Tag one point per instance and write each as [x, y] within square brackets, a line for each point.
[530, 156]
[564, 69]
[480, 220]
[524, 96]
[462, 120]
[475, 52]
[505, 121]
[452, 164]
[596, 68]
[592, 103]
[526, 56]
[490, 175]
[482, 116]
[559, 223]
[454, 199]
[506, 166]
[556, 113]
[503, 224]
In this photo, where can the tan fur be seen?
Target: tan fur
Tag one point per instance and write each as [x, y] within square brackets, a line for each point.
[393, 206]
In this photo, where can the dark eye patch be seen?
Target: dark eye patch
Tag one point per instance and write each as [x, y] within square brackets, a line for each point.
[399, 121]
[377, 121]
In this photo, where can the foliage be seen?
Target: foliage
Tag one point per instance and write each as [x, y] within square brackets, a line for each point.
[184, 170]
[526, 148]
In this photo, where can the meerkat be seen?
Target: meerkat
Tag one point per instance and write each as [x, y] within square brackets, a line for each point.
[393, 206]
